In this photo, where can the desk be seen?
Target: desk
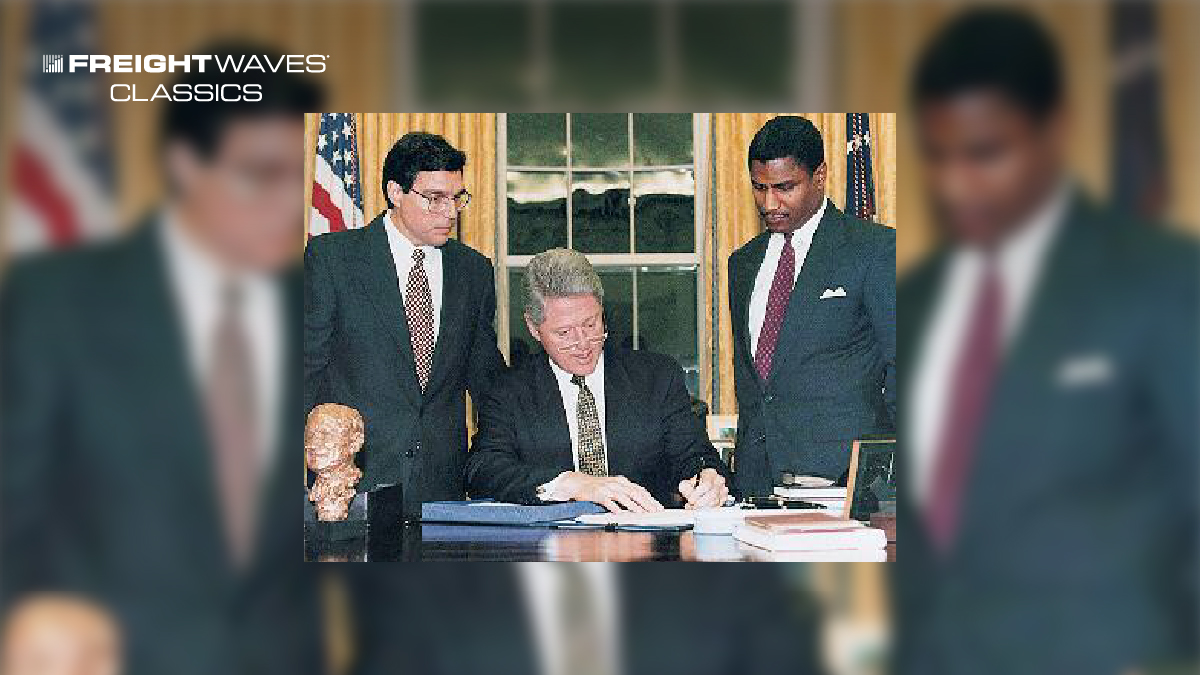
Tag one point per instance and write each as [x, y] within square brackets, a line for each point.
[477, 543]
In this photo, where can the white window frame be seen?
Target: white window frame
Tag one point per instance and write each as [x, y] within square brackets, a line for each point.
[701, 168]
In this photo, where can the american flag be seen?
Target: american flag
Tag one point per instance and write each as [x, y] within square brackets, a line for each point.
[860, 181]
[336, 191]
[62, 161]
[1139, 172]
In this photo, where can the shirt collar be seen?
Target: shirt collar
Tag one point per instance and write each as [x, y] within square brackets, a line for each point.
[809, 227]
[196, 266]
[564, 377]
[402, 247]
[1027, 244]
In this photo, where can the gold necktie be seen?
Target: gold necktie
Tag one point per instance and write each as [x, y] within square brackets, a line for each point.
[592, 460]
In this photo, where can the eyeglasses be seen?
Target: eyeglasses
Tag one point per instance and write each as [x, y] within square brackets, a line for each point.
[443, 203]
[589, 341]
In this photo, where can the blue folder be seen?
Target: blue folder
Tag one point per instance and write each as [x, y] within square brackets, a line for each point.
[491, 512]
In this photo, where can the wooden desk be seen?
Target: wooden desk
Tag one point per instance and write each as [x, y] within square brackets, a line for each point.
[434, 543]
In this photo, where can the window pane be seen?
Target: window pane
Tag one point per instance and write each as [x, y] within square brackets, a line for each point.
[493, 48]
[665, 212]
[618, 303]
[537, 212]
[758, 32]
[667, 316]
[520, 344]
[662, 138]
[600, 139]
[601, 53]
[537, 139]
[600, 212]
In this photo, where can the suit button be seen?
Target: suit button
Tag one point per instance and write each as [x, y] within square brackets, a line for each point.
[761, 439]
[769, 397]
[409, 453]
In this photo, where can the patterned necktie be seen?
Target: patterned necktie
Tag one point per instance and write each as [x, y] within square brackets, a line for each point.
[777, 303]
[592, 460]
[583, 652]
[418, 308]
[974, 374]
[233, 425]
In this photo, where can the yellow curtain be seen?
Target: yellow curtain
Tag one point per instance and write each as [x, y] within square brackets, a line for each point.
[736, 218]
[473, 133]
[880, 40]
[352, 33]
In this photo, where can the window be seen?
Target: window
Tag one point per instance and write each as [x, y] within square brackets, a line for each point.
[620, 188]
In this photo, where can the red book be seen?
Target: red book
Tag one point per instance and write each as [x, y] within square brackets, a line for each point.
[808, 531]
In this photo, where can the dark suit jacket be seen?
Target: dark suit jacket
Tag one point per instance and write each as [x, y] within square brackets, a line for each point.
[358, 352]
[654, 439]
[107, 479]
[693, 620]
[833, 378]
[1079, 516]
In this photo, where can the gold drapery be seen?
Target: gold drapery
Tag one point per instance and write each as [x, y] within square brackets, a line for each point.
[473, 133]
[736, 217]
[880, 41]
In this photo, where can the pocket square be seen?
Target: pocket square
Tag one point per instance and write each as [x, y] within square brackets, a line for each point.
[1085, 370]
[838, 292]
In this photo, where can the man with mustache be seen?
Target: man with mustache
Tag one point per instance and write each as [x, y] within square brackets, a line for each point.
[399, 325]
[813, 306]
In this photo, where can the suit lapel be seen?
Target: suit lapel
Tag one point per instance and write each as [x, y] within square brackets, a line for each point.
[453, 309]
[917, 297]
[549, 403]
[1057, 309]
[276, 513]
[618, 397]
[377, 275]
[819, 264]
[164, 383]
[756, 252]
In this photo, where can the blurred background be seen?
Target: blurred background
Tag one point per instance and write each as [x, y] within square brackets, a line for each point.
[77, 167]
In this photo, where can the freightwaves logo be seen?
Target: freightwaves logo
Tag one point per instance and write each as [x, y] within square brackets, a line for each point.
[187, 63]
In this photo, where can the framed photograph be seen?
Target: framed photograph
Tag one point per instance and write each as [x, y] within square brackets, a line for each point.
[871, 480]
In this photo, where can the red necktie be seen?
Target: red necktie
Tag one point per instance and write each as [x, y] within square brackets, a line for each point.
[973, 376]
[777, 302]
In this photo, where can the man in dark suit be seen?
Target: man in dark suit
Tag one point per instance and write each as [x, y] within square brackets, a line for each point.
[1050, 438]
[151, 416]
[585, 619]
[813, 305]
[585, 422]
[398, 324]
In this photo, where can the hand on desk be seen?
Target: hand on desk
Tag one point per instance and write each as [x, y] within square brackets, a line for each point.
[708, 489]
[615, 493]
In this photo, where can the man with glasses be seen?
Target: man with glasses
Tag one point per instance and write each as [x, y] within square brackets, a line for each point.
[399, 325]
[151, 432]
[589, 421]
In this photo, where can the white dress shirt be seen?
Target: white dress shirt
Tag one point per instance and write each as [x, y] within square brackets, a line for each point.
[541, 584]
[1019, 261]
[196, 279]
[801, 241]
[402, 256]
[569, 392]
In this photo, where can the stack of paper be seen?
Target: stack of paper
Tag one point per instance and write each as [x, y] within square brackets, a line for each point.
[832, 498]
[811, 536]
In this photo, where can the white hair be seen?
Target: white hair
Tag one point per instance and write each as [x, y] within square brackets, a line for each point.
[558, 273]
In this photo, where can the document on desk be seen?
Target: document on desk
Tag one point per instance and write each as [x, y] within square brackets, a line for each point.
[670, 518]
[502, 513]
[716, 520]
